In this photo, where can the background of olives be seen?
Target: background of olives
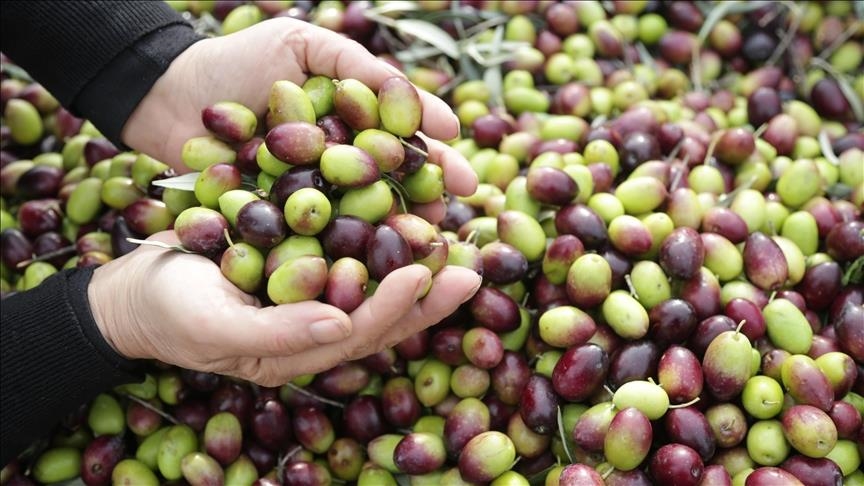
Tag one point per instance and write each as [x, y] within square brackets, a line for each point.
[668, 225]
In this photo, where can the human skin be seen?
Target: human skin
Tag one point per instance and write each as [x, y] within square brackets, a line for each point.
[179, 309]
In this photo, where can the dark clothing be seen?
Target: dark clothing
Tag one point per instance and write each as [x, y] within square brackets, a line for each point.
[52, 359]
[99, 59]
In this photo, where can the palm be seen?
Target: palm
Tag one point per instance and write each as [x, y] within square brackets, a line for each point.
[242, 67]
[180, 309]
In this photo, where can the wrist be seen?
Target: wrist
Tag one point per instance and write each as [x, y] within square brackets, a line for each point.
[106, 302]
[154, 125]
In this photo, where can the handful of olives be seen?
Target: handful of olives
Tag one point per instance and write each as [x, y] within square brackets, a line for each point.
[325, 215]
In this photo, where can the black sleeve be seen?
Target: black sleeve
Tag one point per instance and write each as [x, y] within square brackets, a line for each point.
[52, 359]
[98, 58]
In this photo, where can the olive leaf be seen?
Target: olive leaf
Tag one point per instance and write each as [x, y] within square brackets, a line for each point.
[827, 149]
[160, 244]
[563, 436]
[185, 182]
[393, 7]
[721, 9]
[429, 33]
[855, 273]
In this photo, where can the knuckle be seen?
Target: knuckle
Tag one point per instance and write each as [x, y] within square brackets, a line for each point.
[282, 343]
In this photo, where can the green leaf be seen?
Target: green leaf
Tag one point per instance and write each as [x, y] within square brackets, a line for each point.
[839, 191]
[855, 273]
[429, 33]
[417, 53]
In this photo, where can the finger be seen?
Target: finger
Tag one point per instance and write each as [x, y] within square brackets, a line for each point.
[439, 121]
[393, 298]
[378, 316]
[277, 331]
[451, 287]
[433, 212]
[459, 178]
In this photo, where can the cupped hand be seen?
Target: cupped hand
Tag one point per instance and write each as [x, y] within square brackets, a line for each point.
[178, 308]
[241, 67]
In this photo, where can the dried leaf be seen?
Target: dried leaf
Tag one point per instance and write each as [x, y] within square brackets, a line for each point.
[827, 149]
[159, 244]
[185, 182]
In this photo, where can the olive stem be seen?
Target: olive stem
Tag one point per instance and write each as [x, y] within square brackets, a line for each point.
[284, 459]
[472, 237]
[401, 192]
[710, 152]
[759, 131]
[228, 238]
[684, 405]
[726, 199]
[414, 148]
[740, 325]
[677, 180]
[47, 256]
[314, 396]
[148, 406]
[607, 473]
[675, 149]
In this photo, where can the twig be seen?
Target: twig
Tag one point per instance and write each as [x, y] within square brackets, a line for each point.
[847, 34]
[314, 396]
[148, 406]
[47, 256]
[414, 148]
[786, 40]
[284, 459]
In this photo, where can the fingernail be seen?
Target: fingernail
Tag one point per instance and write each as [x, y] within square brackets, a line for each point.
[328, 331]
[474, 289]
[423, 288]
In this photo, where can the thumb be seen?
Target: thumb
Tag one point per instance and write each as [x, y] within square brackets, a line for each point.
[280, 330]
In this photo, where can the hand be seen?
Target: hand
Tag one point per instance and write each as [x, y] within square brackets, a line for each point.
[241, 67]
[178, 308]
